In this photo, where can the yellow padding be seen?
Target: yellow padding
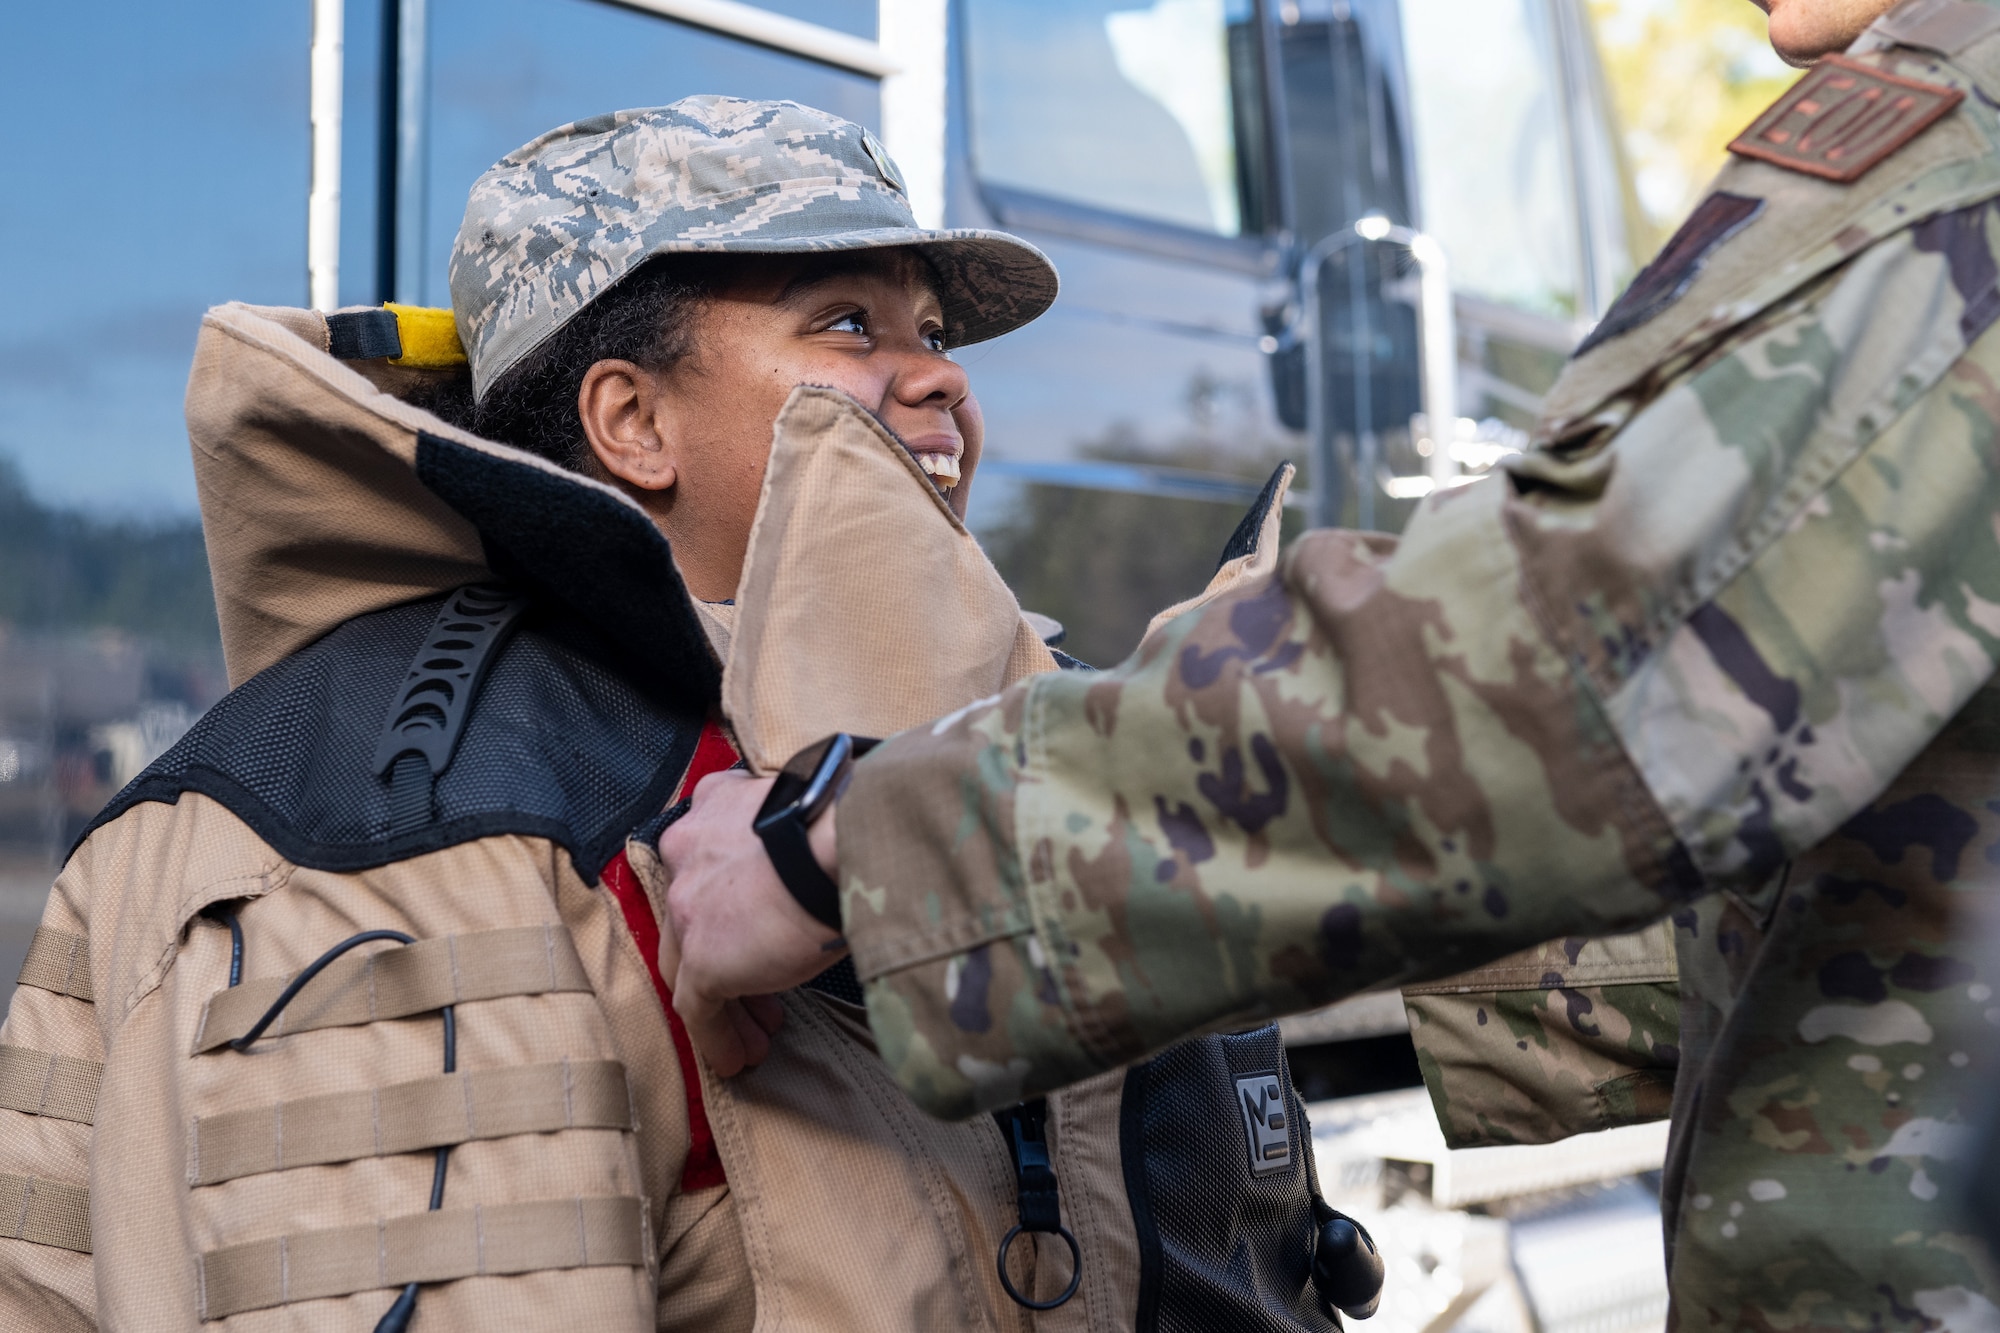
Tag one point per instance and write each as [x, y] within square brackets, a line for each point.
[430, 337]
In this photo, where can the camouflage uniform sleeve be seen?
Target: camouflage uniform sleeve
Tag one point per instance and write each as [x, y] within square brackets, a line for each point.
[1649, 664]
[1570, 1036]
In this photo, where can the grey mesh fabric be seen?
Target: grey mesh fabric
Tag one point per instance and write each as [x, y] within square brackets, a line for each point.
[1219, 1248]
[552, 225]
[560, 746]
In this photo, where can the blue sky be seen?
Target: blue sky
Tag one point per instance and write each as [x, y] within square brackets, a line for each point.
[161, 166]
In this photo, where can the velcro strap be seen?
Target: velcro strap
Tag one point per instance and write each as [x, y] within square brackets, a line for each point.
[490, 1239]
[52, 1085]
[44, 1212]
[400, 982]
[408, 1117]
[363, 335]
[58, 961]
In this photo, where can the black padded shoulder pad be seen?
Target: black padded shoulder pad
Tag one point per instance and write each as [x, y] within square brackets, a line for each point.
[599, 566]
[557, 746]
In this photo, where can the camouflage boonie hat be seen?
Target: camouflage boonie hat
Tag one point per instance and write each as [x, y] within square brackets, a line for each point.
[551, 226]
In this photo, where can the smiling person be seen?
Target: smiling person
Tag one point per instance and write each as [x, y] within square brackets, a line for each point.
[1719, 649]
[347, 1011]
[668, 386]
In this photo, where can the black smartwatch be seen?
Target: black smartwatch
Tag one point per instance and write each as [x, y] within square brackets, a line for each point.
[807, 785]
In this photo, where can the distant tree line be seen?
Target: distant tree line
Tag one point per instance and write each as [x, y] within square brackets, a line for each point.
[63, 570]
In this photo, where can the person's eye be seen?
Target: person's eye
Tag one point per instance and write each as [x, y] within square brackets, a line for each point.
[851, 322]
[934, 339]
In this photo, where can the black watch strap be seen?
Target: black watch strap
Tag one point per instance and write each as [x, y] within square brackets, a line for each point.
[807, 786]
[790, 849]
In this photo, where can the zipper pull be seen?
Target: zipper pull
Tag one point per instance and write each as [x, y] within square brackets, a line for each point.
[1025, 1127]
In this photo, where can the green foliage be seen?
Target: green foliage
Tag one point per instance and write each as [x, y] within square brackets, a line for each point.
[1686, 77]
[64, 570]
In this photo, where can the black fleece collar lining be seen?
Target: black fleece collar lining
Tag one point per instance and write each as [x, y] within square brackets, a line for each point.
[587, 560]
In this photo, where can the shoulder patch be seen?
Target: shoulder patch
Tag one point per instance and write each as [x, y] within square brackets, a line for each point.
[1659, 284]
[1842, 118]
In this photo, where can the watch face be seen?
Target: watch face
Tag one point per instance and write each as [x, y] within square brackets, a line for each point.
[783, 800]
[808, 782]
[808, 761]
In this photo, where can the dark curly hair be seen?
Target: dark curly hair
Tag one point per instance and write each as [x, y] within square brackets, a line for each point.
[647, 318]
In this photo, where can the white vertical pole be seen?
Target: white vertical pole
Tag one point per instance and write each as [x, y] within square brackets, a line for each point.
[911, 34]
[1438, 330]
[323, 203]
[413, 139]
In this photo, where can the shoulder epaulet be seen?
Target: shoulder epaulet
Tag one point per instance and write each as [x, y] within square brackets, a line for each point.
[1842, 118]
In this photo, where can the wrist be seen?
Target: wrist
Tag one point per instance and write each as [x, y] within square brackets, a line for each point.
[824, 839]
[801, 800]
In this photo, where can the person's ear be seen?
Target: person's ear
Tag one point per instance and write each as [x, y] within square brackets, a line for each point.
[621, 407]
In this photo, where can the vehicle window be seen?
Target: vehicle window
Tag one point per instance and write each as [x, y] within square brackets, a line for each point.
[1486, 118]
[1116, 104]
[504, 71]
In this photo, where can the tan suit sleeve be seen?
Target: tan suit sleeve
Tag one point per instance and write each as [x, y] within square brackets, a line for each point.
[51, 1055]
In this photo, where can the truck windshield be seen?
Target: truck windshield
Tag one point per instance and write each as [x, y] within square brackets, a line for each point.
[1120, 105]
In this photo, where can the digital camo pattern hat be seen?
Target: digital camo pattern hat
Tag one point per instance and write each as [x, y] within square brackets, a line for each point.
[555, 223]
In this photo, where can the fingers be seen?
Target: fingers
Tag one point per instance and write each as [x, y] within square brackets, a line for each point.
[766, 1010]
[670, 951]
[731, 1035]
[732, 935]
[714, 1032]
[752, 1038]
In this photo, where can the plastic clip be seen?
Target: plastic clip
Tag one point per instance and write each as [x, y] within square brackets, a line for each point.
[1025, 1128]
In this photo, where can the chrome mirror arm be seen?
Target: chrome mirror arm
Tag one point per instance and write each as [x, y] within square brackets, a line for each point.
[1438, 366]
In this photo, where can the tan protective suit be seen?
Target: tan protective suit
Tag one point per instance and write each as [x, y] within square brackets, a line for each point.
[152, 1177]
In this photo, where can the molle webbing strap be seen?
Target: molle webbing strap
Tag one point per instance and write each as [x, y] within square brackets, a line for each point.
[58, 961]
[57, 1086]
[409, 1117]
[399, 983]
[44, 1212]
[484, 1240]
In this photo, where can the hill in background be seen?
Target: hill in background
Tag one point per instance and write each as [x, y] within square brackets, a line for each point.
[108, 652]
[61, 570]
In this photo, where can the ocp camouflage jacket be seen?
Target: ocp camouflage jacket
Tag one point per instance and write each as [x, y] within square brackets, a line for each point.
[1718, 649]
